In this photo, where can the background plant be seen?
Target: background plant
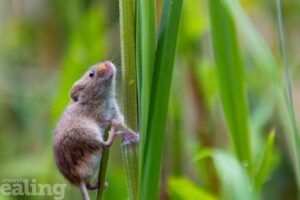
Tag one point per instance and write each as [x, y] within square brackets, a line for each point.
[46, 45]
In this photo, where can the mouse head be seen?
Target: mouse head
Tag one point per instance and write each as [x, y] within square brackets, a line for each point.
[97, 82]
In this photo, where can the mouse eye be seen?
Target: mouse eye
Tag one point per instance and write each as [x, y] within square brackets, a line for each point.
[91, 74]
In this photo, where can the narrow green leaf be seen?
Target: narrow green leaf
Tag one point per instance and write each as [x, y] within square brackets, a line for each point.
[230, 74]
[145, 57]
[159, 99]
[293, 137]
[234, 179]
[267, 64]
[138, 57]
[188, 190]
[265, 161]
[259, 49]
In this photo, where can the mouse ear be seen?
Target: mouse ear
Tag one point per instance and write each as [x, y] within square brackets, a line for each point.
[75, 91]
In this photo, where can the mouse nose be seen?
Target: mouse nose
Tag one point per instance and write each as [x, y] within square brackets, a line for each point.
[108, 64]
[102, 68]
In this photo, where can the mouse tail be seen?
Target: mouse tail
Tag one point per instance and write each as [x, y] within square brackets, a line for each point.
[84, 191]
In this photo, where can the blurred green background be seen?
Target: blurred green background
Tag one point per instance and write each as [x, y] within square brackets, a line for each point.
[45, 45]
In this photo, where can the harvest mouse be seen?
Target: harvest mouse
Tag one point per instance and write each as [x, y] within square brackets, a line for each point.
[78, 137]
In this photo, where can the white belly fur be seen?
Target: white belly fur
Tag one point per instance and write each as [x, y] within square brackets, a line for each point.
[92, 166]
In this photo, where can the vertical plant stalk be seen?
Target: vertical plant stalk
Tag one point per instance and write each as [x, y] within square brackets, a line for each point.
[102, 170]
[145, 57]
[130, 149]
[230, 73]
[127, 31]
[129, 138]
[294, 140]
[159, 97]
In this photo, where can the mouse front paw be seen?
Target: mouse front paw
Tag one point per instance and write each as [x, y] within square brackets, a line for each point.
[117, 122]
[106, 123]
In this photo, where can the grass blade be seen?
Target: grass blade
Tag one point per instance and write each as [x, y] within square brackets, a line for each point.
[231, 80]
[234, 179]
[232, 176]
[259, 49]
[293, 137]
[265, 162]
[159, 98]
[188, 190]
[145, 57]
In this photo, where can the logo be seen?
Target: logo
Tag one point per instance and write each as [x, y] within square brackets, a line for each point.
[25, 187]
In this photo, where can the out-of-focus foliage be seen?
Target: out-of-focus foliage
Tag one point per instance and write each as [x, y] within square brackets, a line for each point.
[47, 44]
[188, 190]
[232, 175]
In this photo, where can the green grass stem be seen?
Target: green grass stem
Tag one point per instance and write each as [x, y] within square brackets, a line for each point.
[102, 170]
[230, 73]
[145, 56]
[159, 99]
[127, 31]
[293, 137]
[129, 148]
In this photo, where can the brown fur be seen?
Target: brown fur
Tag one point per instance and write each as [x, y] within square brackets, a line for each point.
[78, 136]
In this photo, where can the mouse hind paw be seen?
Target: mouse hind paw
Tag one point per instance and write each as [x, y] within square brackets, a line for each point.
[95, 186]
